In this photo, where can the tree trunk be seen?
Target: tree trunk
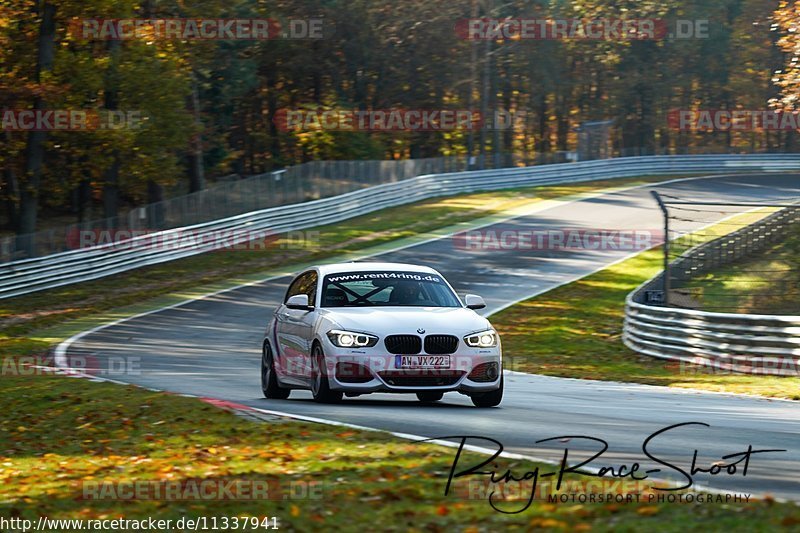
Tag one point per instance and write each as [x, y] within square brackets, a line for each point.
[111, 190]
[487, 60]
[155, 195]
[508, 134]
[497, 147]
[84, 197]
[473, 69]
[10, 186]
[543, 142]
[562, 122]
[111, 103]
[197, 178]
[274, 134]
[34, 150]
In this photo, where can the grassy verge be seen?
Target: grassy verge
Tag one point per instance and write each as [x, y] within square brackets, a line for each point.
[69, 448]
[576, 331]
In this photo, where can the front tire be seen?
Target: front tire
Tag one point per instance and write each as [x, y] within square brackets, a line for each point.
[488, 399]
[320, 386]
[269, 380]
[429, 396]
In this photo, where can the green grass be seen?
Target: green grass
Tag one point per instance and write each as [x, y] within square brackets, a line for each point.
[766, 283]
[61, 436]
[575, 331]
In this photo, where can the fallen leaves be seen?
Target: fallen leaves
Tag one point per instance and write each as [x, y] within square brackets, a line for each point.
[649, 510]
[543, 523]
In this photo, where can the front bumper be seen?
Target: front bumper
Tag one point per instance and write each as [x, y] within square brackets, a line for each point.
[362, 371]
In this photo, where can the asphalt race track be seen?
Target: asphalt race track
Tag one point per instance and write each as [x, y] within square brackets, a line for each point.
[211, 347]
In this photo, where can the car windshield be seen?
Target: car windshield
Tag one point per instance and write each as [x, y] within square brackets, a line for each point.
[387, 288]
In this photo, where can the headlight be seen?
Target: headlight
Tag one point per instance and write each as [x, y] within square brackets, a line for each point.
[482, 339]
[351, 339]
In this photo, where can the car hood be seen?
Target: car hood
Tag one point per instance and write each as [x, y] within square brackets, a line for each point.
[393, 320]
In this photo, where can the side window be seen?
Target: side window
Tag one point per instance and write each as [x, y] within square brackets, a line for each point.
[308, 285]
[294, 288]
[305, 283]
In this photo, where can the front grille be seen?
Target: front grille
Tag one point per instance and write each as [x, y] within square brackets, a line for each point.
[484, 373]
[441, 344]
[403, 344]
[429, 378]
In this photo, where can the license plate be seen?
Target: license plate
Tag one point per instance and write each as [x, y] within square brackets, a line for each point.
[422, 361]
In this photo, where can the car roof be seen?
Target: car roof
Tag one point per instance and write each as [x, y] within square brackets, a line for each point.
[371, 266]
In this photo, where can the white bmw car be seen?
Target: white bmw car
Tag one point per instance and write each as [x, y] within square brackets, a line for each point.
[356, 328]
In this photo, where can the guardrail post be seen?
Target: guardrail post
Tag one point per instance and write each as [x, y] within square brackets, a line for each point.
[665, 275]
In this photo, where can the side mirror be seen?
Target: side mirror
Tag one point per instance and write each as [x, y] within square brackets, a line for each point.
[474, 301]
[299, 301]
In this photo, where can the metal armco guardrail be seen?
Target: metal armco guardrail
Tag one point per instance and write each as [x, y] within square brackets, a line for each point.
[761, 344]
[227, 198]
[30, 275]
[736, 245]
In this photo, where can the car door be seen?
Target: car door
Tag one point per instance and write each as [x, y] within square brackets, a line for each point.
[294, 327]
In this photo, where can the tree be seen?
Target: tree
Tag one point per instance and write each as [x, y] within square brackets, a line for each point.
[34, 150]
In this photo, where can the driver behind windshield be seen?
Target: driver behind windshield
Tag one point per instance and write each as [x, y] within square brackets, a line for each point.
[405, 293]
